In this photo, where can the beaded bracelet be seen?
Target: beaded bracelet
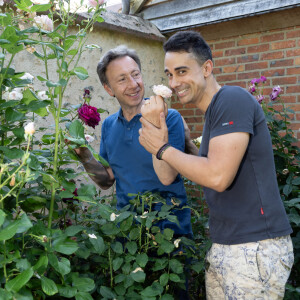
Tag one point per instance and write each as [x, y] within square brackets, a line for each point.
[161, 151]
[89, 160]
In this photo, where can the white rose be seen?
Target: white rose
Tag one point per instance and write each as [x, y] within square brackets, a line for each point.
[42, 95]
[93, 3]
[29, 129]
[1, 2]
[199, 139]
[137, 270]
[15, 94]
[176, 243]
[27, 76]
[92, 236]
[44, 22]
[113, 216]
[162, 90]
[89, 138]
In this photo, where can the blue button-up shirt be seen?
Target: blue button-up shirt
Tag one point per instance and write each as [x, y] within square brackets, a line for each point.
[132, 164]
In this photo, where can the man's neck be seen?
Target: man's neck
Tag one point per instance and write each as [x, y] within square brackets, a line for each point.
[129, 112]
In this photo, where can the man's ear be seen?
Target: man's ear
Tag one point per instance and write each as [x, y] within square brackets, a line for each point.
[109, 90]
[208, 68]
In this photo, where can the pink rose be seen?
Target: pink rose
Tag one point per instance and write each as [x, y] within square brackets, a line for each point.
[94, 3]
[89, 115]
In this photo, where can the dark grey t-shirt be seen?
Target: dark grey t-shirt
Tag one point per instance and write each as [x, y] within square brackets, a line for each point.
[251, 208]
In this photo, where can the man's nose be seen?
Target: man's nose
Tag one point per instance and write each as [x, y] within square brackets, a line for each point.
[133, 82]
[173, 82]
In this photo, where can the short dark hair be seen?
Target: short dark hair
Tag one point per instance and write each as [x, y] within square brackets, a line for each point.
[191, 42]
[112, 54]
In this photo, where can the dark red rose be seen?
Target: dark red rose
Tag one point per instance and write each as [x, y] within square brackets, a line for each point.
[70, 200]
[89, 115]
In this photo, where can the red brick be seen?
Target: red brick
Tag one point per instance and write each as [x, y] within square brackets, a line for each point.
[198, 127]
[293, 89]
[176, 105]
[297, 60]
[217, 53]
[242, 84]
[249, 75]
[224, 61]
[193, 119]
[294, 52]
[248, 58]
[233, 69]
[248, 41]
[217, 70]
[190, 105]
[258, 48]
[293, 34]
[224, 45]
[272, 55]
[259, 65]
[237, 51]
[271, 73]
[298, 118]
[272, 37]
[281, 63]
[284, 80]
[288, 99]
[295, 126]
[283, 45]
[226, 78]
[187, 112]
[293, 71]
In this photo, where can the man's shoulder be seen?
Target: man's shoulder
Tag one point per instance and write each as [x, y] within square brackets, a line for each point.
[111, 118]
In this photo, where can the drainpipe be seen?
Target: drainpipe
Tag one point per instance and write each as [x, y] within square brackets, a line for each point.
[125, 7]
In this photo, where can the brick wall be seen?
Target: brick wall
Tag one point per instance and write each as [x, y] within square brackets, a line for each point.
[238, 59]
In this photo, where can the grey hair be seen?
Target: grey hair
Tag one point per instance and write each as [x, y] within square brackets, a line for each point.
[111, 55]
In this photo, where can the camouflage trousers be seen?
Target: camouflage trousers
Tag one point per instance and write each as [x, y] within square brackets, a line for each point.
[250, 271]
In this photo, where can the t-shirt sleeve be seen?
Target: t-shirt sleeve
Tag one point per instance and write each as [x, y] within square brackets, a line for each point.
[103, 152]
[176, 130]
[233, 111]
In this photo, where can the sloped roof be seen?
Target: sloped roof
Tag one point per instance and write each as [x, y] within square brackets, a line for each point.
[176, 15]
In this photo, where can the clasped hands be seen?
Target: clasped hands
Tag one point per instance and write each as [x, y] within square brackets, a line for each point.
[154, 131]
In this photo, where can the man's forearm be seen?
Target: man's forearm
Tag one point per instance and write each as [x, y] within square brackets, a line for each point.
[165, 173]
[102, 176]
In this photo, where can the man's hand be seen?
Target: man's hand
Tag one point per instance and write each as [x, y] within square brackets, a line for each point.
[152, 137]
[152, 108]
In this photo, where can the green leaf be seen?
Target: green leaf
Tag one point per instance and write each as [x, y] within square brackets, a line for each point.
[83, 296]
[83, 284]
[164, 279]
[9, 231]
[67, 291]
[117, 247]
[154, 290]
[167, 247]
[40, 7]
[72, 230]
[61, 82]
[12, 115]
[98, 244]
[117, 263]
[174, 277]
[33, 203]
[134, 234]
[65, 246]
[19, 281]
[138, 276]
[41, 265]
[287, 189]
[24, 224]
[2, 217]
[107, 292]
[48, 286]
[132, 247]
[110, 229]
[168, 233]
[142, 259]
[76, 130]
[23, 264]
[176, 266]
[12, 153]
[62, 265]
[81, 73]
[167, 297]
